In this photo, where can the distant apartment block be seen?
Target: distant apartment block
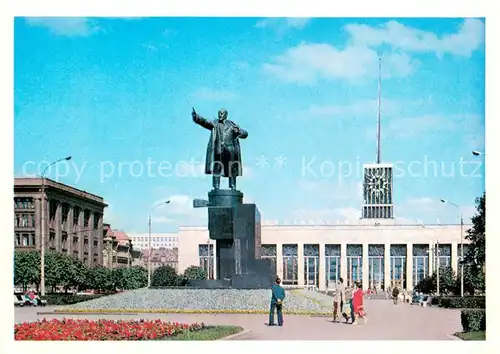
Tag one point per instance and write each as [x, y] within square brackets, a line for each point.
[158, 240]
[73, 219]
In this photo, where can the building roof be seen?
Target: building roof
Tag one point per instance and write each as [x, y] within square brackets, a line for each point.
[36, 182]
[120, 235]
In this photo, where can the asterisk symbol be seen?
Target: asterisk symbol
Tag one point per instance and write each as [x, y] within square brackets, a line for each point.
[262, 161]
[280, 161]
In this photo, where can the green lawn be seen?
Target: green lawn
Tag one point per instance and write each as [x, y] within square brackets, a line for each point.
[481, 335]
[209, 333]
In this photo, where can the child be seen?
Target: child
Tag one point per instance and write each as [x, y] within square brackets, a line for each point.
[346, 310]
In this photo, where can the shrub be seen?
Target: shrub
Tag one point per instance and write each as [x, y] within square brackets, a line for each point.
[192, 273]
[457, 302]
[165, 276]
[68, 299]
[473, 320]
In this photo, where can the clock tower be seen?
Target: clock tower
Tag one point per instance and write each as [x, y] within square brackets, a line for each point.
[377, 184]
[377, 191]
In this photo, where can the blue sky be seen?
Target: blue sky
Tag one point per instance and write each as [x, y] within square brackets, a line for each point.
[116, 94]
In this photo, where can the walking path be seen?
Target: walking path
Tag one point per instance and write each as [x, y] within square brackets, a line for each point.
[387, 322]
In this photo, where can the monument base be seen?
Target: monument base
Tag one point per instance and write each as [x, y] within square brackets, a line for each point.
[224, 198]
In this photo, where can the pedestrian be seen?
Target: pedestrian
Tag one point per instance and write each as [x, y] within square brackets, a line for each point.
[358, 305]
[395, 294]
[338, 299]
[277, 297]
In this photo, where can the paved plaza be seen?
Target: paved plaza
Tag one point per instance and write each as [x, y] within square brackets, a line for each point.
[386, 322]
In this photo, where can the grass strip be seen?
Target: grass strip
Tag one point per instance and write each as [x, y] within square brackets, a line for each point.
[208, 333]
[480, 335]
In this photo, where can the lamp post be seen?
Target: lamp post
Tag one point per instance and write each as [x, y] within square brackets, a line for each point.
[42, 226]
[434, 253]
[149, 239]
[461, 245]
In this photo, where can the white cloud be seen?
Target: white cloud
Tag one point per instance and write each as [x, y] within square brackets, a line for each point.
[65, 26]
[310, 62]
[179, 211]
[468, 37]
[209, 94]
[283, 23]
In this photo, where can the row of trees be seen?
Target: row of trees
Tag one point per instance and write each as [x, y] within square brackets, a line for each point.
[70, 273]
[474, 260]
[62, 271]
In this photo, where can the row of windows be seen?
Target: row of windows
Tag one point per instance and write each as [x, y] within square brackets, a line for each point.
[24, 203]
[24, 239]
[28, 203]
[24, 220]
[154, 239]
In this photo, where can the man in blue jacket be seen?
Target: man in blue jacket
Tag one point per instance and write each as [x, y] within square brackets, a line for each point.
[277, 297]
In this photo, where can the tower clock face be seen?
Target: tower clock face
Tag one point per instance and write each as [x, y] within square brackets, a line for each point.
[378, 184]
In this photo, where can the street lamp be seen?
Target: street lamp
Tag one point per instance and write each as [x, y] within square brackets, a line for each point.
[42, 229]
[461, 245]
[434, 253]
[149, 240]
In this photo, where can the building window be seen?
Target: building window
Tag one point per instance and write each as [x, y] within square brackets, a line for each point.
[75, 240]
[290, 264]
[24, 220]
[32, 220]
[26, 240]
[52, 209]
[97, 216]
[85, 241]
[96, 243]
[64, 240]
[76, 215]
[32, 240]
[18, 239]
[86, 218]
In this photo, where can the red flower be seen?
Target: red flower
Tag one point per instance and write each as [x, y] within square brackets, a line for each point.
[75, 330]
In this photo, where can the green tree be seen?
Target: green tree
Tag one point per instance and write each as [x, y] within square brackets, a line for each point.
[26, 268]
[134, 278]
[101, 278]
[447, 282]
[164, 276]
[476, 254]
[192, 273]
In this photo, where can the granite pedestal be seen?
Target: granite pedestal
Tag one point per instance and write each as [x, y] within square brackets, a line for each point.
[236, 228]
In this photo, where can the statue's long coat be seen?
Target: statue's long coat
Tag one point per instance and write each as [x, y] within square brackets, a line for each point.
[214, 145]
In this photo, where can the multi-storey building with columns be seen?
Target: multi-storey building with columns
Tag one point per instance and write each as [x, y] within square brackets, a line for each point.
[73, 219]
[378, 254]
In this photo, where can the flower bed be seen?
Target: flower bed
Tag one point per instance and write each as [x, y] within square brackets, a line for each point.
[84, 330]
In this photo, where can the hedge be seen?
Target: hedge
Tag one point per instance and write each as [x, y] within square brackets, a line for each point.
[473, 320]
[69, 299]
[457, 302]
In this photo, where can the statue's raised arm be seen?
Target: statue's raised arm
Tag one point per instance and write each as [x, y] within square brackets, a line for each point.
[201, 121]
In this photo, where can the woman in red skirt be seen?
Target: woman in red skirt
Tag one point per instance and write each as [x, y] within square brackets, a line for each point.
[357, 302]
